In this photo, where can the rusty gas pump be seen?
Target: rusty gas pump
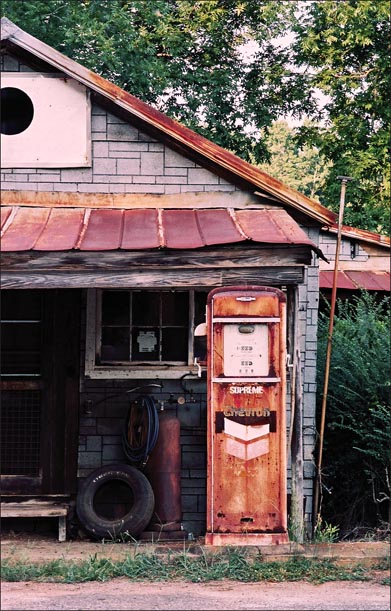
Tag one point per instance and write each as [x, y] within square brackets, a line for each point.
[246, 490]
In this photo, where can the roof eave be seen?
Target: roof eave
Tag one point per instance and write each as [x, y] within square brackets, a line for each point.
[362, 235]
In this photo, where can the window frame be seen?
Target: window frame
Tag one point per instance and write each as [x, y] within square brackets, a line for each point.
[159, 370]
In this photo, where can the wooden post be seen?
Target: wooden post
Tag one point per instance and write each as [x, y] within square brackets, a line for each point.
[296, 425]
[316, 511]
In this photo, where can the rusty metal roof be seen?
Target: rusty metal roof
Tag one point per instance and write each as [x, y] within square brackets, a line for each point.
[57, 229]
[169, 130]
[361, 235]
[371, 280]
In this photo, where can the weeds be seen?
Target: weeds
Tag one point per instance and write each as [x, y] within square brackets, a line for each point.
[236, 564]
[325, 532]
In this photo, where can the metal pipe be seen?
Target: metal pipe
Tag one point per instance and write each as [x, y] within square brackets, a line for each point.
[318, 481]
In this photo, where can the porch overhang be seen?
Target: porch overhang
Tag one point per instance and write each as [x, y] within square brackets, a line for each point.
[84, 247]
[56, 229]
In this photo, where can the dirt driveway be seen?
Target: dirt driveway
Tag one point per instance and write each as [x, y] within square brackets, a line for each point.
[121, 594]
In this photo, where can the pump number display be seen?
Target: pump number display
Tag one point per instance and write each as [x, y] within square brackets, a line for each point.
[246, 350]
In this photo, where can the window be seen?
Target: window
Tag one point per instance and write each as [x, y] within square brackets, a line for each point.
[143, 333]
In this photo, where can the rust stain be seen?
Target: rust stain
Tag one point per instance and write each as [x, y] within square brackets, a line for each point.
[236, 220]
[187, 200]
[103, 231]
[83, 229]
[160, 229]
[141, 230]
[7, 216]
[61, 231]
[246, 463]
[370, 280]
[24, 229]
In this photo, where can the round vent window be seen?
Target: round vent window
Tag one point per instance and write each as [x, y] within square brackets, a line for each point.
[17, 111]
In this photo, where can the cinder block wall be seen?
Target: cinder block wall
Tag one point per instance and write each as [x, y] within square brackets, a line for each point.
[101, 424]
[328, 244]
[308, 316]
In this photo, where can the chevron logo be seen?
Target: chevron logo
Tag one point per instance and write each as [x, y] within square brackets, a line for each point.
[246, 442]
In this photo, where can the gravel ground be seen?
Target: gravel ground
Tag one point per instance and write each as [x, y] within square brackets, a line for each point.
[121, 594]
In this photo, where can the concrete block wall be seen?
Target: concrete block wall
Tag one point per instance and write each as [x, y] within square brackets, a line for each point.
[328, 244]
[102, 417]
[104, 405]
[104, 408]
[308, 320]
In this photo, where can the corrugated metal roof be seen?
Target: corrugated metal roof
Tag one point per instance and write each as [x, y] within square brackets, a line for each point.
[57, 229]
[371, 280]
[168, 129]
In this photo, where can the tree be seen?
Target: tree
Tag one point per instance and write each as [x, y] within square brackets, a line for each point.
[343, 48]
[303, 168]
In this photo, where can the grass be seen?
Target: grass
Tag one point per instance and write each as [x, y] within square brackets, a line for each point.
[236, 565]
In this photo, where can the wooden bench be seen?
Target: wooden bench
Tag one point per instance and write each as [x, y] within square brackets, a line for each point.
[38, 509]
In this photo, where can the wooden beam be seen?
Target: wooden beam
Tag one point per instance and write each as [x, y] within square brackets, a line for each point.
[146, 278]
[21, 385]
[32, 510]
[120, 260]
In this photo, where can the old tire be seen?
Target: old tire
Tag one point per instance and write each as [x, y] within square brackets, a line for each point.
[137, 511]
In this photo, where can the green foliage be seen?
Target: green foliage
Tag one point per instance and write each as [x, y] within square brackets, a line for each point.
[356, 456]
[235, 564]
[302, 168]
[325, 532]
[344, 48]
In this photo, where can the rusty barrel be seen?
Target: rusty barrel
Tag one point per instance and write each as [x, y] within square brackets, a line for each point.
[163, 470]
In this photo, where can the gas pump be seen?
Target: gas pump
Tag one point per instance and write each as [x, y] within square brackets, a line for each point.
[246, 490]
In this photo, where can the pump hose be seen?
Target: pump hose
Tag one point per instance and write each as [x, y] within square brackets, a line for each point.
[140, 430]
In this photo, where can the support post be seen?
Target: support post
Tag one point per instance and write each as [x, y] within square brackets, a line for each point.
[318, 480]
[296, 425]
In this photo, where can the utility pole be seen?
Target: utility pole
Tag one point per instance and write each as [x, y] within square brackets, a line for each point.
[318, 478]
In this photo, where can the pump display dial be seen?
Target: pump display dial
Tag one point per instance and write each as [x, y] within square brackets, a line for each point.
[246, 350]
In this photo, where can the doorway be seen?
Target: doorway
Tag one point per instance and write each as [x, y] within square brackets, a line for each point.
[40, 343]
